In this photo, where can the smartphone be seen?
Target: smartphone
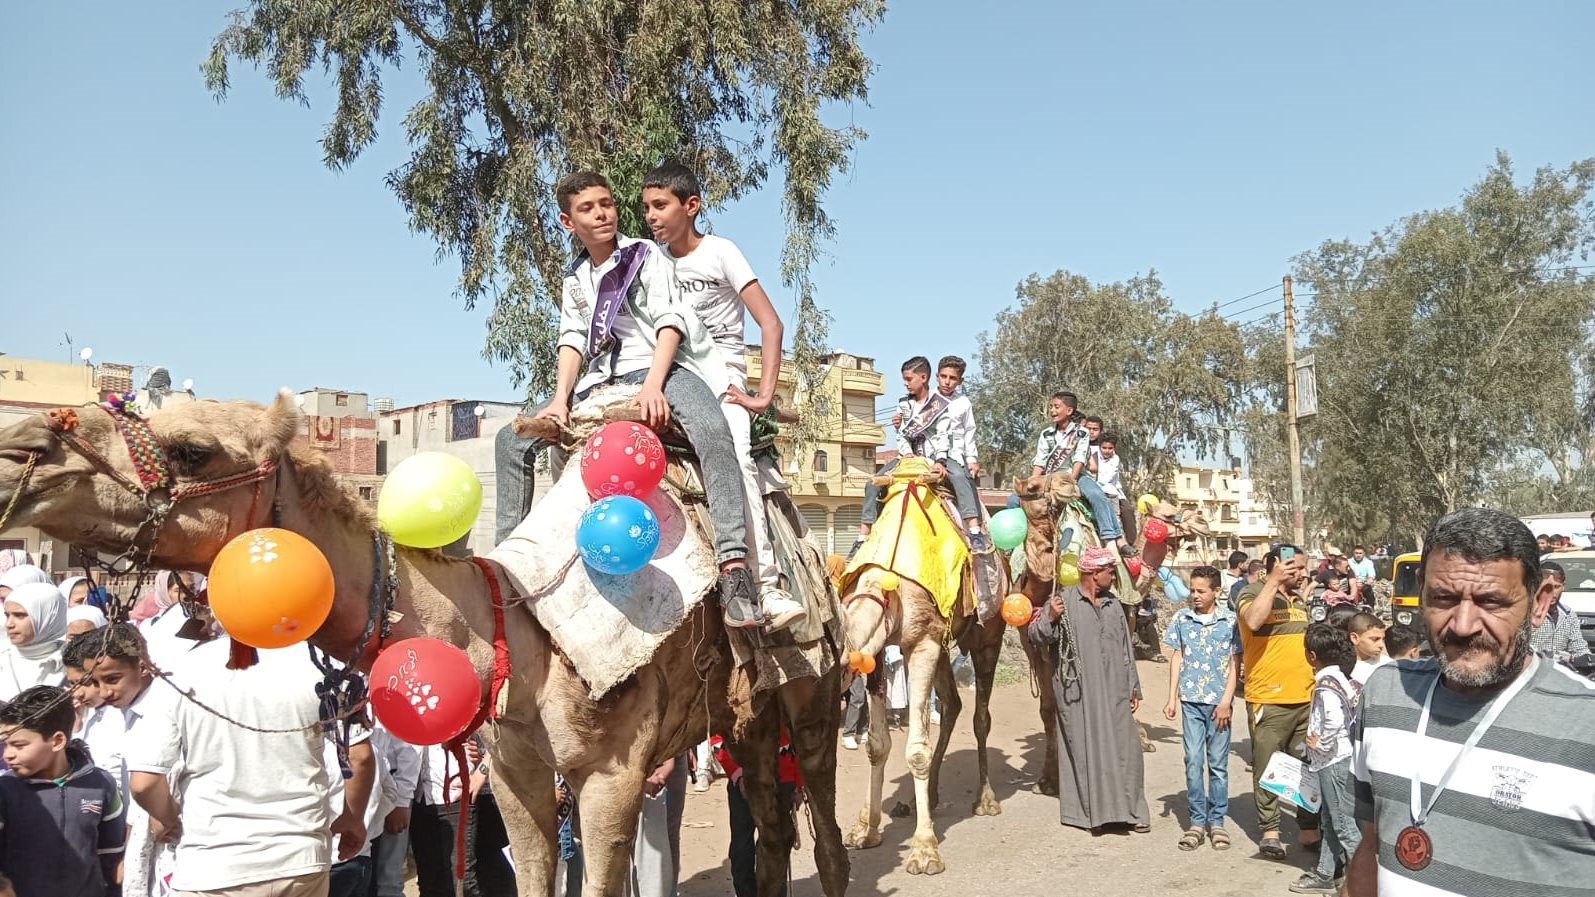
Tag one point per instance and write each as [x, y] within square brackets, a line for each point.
[1286, 552]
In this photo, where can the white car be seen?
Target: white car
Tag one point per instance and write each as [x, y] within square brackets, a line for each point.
[1579, 597]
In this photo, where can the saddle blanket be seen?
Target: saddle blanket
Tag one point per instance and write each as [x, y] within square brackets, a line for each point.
[607, 626]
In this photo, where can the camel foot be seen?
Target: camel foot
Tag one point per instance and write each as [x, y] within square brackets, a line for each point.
[861, 837]
[924, 858]
[987, 804]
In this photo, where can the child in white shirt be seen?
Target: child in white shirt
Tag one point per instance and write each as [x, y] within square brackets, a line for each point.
[1330, 721]
[717, 281]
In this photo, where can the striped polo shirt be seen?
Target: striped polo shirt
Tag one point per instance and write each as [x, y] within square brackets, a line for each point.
[1518, 817]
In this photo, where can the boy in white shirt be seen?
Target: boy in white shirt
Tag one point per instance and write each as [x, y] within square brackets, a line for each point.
[1330, 722]
[717, 281]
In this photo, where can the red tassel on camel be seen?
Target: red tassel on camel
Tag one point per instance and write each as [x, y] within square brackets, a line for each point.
[241, 656]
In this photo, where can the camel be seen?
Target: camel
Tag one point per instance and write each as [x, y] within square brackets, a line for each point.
[70, 473]
[908, 616]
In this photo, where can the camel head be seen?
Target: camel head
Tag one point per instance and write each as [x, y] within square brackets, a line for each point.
[1043, 498]
[869, 612]
[83, 484]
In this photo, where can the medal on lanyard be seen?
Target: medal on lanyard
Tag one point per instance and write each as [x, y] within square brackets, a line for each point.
[1414, 848]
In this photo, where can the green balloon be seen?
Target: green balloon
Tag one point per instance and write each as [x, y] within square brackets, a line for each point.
[1008, 528]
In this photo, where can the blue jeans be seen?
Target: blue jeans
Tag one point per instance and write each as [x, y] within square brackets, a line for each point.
[1104, 509]
[350, 878]
[964, 494]
[1341, 831]
[1206, 751]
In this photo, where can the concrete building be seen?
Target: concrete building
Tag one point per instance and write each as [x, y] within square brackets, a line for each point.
[460, 427]
[1224, 496]
[828, 481]
[343, 427]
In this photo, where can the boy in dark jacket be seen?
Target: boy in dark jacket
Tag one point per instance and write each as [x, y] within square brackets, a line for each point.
[61, 818]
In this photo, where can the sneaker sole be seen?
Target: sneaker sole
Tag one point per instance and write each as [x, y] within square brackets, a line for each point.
[784, 620]
[743, 624]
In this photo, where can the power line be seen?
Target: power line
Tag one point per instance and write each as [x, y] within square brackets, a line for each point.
[1218, 305]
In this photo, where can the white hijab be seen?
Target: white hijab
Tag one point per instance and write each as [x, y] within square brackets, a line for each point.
[39, 661]
[23, 574]
[68, 584]
[87, 612]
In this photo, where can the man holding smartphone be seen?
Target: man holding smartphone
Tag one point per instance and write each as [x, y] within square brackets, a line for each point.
[1279, 682]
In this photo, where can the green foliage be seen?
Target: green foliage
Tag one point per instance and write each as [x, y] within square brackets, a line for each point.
[1454, 359]
[520, 93]
[1163, 381]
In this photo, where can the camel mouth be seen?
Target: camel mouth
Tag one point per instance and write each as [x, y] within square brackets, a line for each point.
[15, 456]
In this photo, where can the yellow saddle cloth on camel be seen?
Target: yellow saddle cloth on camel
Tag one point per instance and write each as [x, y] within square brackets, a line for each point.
[915, 538]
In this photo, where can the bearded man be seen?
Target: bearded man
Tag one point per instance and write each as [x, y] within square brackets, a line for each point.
[1474, 770]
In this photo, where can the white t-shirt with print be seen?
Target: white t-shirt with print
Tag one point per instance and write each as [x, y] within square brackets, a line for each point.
[1108, 474]
[711, 279]
[254, 805]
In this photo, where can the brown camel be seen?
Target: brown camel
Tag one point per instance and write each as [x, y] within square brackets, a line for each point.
[85, 492]
[909, 617]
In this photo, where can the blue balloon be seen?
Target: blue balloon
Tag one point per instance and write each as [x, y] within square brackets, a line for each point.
[1174, 588]
[1013, 501]
[618, 535]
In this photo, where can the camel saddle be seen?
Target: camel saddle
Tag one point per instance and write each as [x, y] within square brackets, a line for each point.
[608, 626]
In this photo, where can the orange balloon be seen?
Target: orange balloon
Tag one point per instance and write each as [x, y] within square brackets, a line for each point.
[271, 588]
[866, 663]
[1016, 610]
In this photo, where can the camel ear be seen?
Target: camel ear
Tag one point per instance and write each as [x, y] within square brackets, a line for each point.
[280, 424]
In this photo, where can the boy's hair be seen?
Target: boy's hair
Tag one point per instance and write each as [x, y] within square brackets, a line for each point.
[1093, 419]
[45, 709]
[1400, 640]
[1362, 622]
[1067, 398]
[1108, 437]
[676, 178]
[1254, 567]
[574, 183]
[1552, 569]
[1237, 558]
[1331, 647]
[951, 361]
[919, 364]
[118, 641]
[1208, 573]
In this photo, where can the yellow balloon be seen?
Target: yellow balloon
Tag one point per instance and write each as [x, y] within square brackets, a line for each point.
[1145, 503]
[1068, 574]
[888, 581]
[1070, 558]
[429, 500]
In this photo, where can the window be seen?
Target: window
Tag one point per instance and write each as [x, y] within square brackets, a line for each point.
[342, 400]
[1226, 513]
[365, 493]
[822, 461]
[396, 423]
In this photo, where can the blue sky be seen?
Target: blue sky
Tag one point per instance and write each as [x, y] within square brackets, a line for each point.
[1211, 142]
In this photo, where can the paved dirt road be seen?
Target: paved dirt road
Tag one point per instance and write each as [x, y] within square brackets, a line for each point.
[1024, 851]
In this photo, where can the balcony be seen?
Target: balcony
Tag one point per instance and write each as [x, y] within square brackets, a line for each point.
[870, 382]
[855, 431]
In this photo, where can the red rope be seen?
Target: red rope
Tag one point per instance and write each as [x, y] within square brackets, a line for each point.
[487, 710]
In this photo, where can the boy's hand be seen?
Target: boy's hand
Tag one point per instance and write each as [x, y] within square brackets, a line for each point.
[351, 832]
[736, 395]
[1312, 741]
[974, 468]
[941, 470]
[1135, 701]
[557, 410]
[897, 420]
[398, 819]
[1168, 709]
[1220, 716]
[161, 833]
[655, 410]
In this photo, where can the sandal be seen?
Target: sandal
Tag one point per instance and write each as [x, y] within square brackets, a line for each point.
[1272, 848]
[1191, 840]
[1141, 828]
[1219, 838]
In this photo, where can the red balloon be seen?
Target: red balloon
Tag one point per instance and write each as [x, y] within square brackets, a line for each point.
[623, 458]
[1133, 563]
[1155, 530]
[425, 691]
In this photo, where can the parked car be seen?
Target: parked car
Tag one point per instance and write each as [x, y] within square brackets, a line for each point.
[1579, 596]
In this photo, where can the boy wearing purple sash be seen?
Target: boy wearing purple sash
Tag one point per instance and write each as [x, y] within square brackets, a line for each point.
[622, 320]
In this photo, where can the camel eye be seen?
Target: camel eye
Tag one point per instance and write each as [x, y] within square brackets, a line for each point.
[187, 458]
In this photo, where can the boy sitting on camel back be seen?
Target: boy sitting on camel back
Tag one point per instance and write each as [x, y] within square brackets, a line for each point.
[1066, 445]
[622, 320]
[928, 424]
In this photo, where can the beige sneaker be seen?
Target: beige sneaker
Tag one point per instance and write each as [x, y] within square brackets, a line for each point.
[781, 610]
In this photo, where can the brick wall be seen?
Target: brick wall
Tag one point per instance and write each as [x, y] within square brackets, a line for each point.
[355, 450]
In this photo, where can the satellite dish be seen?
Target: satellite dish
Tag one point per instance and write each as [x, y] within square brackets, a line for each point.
[299, 400]
[481, 411]
[86, 354]
[188, 385]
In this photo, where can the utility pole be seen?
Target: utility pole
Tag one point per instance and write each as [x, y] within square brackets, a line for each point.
[1298, 523]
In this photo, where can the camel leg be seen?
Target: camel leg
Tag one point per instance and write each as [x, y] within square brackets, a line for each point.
[1041, 668]
[951, 705]
[524, 786]
[610, 802]
[923, 658]
[867, 831]
[984, 655]
[812, 724]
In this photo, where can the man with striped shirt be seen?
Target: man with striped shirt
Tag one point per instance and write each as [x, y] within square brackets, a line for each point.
[1475, 769]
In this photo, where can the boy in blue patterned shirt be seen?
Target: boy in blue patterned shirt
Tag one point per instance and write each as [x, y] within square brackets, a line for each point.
[1202, 684]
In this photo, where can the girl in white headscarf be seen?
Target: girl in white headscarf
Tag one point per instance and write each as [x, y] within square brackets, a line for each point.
[21, 575]
[36, 628]
[78, 584]
[84, 618]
